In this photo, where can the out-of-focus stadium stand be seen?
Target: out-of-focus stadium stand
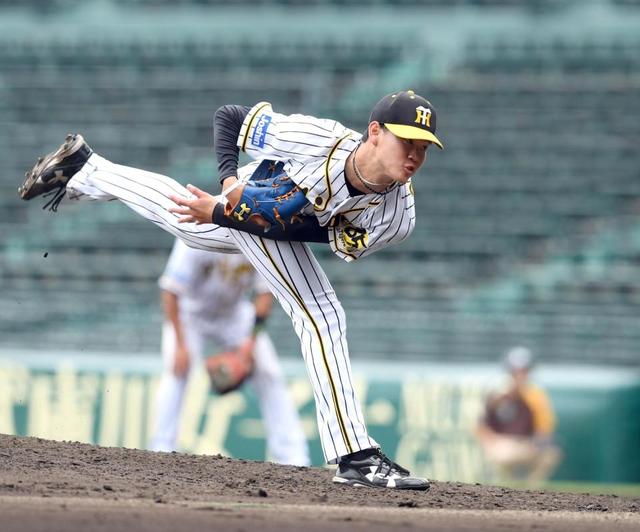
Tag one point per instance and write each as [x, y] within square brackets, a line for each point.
[527, 224]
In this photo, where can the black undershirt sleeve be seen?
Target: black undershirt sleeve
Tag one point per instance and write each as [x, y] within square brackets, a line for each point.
[226, 129]
[227, 123]
[309, 230]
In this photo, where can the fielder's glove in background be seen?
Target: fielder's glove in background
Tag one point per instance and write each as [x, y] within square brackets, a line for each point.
[228, 370]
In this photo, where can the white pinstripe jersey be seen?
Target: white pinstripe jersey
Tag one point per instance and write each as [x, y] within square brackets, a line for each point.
[211, 286]
[314, 152]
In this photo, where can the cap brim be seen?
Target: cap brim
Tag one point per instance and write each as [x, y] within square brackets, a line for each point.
[414, 133]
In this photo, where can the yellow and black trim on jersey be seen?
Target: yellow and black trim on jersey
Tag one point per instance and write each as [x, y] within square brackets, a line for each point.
[320, 203]
[337, 241]
[350, 239]
[249, 119]
[334, 395]
[347, 238]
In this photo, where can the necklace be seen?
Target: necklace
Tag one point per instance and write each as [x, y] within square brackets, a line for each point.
[367, 184]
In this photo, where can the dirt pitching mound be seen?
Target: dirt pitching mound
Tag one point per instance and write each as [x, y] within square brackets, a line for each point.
[50, 485]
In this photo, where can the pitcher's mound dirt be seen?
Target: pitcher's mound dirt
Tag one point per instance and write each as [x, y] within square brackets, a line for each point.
[49, 485]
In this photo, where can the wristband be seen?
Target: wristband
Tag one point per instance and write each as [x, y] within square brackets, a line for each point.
[259, 324]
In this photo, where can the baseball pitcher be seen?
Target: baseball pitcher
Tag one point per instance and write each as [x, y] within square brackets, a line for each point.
[312, 180]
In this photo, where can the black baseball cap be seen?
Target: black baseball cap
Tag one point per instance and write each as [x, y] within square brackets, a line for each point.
[407, 115]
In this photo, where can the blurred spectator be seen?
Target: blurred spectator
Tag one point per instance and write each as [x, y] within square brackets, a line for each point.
[205, 302]
[516, 431]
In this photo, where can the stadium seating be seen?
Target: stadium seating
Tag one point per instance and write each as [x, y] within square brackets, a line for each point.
[536, 6]
[525, 225]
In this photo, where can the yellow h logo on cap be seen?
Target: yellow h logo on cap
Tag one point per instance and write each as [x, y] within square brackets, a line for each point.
[423, 116]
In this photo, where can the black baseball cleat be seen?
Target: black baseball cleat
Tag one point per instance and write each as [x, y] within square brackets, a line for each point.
[52, 172]
[372, 468]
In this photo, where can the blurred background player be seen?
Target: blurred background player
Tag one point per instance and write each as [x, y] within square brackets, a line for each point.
[516, 432]
[205, 303]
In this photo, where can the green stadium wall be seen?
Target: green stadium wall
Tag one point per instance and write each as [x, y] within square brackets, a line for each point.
[422, 414]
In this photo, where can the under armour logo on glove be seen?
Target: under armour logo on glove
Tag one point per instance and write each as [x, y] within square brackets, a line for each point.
[240, 213]
[269, 201]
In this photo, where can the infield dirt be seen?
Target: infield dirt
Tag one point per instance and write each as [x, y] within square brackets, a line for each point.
[69, 486]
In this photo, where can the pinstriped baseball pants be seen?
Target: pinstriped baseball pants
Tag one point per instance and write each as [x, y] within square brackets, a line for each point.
[293, 274]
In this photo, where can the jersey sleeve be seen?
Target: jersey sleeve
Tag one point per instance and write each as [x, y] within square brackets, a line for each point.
[543, 416]
[181, 270]
[390, 223]
[226, 128]
[266, 134]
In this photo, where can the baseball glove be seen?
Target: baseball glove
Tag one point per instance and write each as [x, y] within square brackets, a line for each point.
[269, 198]
[228, 370]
